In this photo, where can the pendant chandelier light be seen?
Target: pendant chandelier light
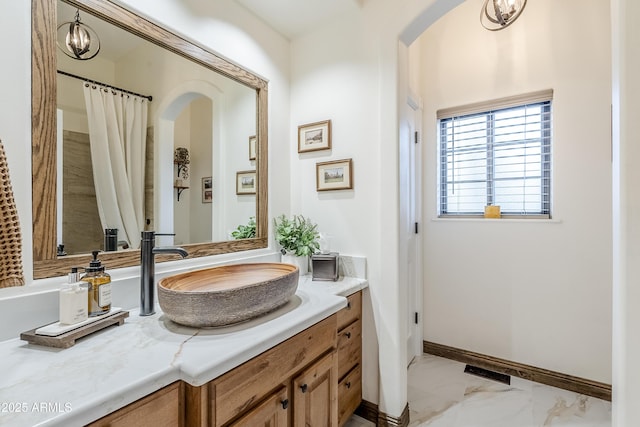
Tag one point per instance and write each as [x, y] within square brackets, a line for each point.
[78, 40]
[499, 14]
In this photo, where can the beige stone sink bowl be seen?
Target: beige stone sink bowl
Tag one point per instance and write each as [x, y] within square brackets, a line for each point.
[227, 294]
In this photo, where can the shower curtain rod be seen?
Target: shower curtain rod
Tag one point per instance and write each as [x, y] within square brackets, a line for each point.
[149, 97]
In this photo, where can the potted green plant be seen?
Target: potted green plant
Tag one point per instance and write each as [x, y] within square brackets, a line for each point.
[298, 239]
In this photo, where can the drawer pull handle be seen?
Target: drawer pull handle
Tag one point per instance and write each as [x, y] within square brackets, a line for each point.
[348, 384]
[348, 305]
[285, 403]
[303, 387]
[348, 334]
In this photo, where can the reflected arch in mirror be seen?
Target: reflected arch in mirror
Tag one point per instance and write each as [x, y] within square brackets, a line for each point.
[169, 110]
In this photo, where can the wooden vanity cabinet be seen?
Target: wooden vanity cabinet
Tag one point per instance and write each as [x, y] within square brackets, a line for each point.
[349, 357]
[312, 379]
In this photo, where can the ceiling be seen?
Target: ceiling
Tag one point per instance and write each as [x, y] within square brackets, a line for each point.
[288, 17]
[292, 17]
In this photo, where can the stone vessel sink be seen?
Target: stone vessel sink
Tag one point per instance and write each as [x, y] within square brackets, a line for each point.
[227, 294]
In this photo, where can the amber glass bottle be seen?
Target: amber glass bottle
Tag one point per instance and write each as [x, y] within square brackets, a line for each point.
[99, 295]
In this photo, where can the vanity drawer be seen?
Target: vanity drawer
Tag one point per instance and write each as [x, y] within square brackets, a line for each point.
[352, 311]
[240, 389]
[349, 347]
[349, 394]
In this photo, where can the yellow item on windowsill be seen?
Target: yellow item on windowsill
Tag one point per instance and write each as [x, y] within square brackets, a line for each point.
[492, 211]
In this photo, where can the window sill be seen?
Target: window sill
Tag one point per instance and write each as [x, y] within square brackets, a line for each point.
[510, 220]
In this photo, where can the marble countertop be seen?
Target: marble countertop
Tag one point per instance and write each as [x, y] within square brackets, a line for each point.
[106, 371]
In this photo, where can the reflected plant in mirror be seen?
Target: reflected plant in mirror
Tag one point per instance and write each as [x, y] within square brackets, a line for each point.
[245, 231]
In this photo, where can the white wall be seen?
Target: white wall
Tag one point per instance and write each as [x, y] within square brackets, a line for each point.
[532, 291]
[201, 214]
[330, 68]
[347, 71]
[626, 202]
[239, 125]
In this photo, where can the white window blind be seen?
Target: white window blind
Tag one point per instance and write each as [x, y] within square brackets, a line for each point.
[498, 156]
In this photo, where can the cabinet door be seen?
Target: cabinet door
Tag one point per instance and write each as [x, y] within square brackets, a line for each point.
[273, 412]
[315, 394]
[164, 408]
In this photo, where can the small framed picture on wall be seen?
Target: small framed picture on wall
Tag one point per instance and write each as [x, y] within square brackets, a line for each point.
[246, 182]
[334, 175]
[207, 189]
[314, 136]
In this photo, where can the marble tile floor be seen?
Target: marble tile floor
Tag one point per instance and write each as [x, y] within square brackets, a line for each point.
[441, 394]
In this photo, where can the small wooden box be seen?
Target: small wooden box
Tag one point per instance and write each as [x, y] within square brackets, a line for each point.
[325, 266]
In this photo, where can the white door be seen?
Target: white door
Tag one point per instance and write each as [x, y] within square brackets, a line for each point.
[410, 234]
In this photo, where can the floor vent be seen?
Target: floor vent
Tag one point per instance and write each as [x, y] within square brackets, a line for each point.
[485, 373]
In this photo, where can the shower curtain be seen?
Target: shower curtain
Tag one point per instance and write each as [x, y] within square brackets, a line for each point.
[118, 135]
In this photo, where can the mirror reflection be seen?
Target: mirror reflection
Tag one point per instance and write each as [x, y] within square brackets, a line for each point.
[119, 168]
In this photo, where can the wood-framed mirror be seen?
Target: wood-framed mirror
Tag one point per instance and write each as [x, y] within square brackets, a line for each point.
[46, 262]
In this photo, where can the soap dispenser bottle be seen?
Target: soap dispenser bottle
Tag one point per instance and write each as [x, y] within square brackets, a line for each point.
[99, 294]
[73, 300]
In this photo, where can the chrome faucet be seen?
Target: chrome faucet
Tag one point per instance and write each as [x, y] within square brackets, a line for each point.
[147, 269]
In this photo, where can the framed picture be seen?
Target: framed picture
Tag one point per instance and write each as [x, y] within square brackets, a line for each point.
[246, 182]
[252, 147]
[334, 175]
[314, 136]
[207, 189]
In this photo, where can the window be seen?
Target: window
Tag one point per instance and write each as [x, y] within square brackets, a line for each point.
[496, 153]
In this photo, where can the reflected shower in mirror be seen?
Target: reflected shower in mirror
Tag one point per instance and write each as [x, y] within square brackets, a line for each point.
[207, 113]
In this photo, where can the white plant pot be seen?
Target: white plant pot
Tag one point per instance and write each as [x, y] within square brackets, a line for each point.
[302, 262]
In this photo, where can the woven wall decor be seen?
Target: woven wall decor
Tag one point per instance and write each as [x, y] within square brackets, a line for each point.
[10, 237]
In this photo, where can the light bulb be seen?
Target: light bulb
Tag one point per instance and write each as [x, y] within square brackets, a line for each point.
[506, 8]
